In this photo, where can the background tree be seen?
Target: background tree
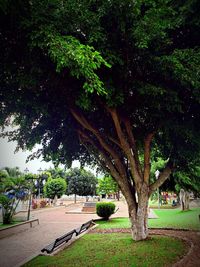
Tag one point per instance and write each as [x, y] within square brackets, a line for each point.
[186, 178]
[107, 185]
[81, 182]
[3, 176]
[104, 82]
[39, 182]
[55, 187]
[13, 172]
[57, 172]
[12, 190]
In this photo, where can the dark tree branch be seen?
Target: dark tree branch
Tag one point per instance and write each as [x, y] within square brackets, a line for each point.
[110, 150]
[163, 176]
[132, 142]
[125, 146]
[147, 153]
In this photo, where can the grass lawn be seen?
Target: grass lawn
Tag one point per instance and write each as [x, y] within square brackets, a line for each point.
[172, 218]
[116, 249]
[154, 205]
[7, 225]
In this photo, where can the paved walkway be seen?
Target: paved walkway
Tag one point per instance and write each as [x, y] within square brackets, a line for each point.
[54, 222]
[22, 246]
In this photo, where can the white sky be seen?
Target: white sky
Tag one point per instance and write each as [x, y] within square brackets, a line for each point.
[8, 158]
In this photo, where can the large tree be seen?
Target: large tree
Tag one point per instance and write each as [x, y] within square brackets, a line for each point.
[81, 182]
[105, 82]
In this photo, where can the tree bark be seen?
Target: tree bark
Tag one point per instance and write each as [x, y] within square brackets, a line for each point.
[138, 215]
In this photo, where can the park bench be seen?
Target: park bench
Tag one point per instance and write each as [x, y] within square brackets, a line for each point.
[84, 227]
[58, 242]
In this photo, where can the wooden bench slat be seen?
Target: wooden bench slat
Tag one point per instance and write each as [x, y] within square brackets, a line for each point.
[59, 241]
[83, 227]
[65, 238]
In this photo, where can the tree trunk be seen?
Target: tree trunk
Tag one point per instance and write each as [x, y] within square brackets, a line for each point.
[138, 215]
[187, 200]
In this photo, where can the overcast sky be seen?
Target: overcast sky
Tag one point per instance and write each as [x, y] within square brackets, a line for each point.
[8, 158]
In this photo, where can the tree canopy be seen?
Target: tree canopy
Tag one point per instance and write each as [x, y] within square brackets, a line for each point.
[81, 182]
[107, 185]
[55, 187]
[105, 82]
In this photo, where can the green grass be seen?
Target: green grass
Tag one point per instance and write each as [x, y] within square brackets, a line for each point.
[176, 219]
[172, 218]
[154, 205]
[117, 249]
[7, 225]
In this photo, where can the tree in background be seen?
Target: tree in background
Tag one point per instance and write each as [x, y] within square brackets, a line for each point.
[187, 179]
[57, 172]
[55, 187]
[107, 186]
[12, 190]
[13, 172]
[81, 182]
[105, 82]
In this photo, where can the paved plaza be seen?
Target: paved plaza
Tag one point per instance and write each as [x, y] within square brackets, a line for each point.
[53, 222]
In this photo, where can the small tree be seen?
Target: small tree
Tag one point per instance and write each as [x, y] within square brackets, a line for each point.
[81, 182]
[55, 187]
[12, 190]
[107, 186]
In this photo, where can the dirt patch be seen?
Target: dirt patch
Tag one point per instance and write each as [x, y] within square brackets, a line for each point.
[191, 259]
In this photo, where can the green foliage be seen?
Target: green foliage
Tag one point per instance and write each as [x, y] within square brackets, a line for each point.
[3, 174]
[107, 185]
[105, 210]
[139, 56]
[81, 182]
[12, 172]
[55, 187]
[12, 190]
[188, 180]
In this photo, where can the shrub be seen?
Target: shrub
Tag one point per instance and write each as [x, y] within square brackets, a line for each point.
[105, 210]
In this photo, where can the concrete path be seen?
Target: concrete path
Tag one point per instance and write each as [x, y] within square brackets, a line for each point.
[121, 207]
[54, 222]
[19, 248]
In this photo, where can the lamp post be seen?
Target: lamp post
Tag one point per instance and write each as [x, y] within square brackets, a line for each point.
[30, 194]
[26, 170]
[157, 175]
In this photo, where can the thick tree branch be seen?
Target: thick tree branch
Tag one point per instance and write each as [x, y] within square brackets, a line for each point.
[161, 178]
[126, 188]
[82, 120]
[85, 124]
[132, 142]
[125, 146]
[147, 150]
